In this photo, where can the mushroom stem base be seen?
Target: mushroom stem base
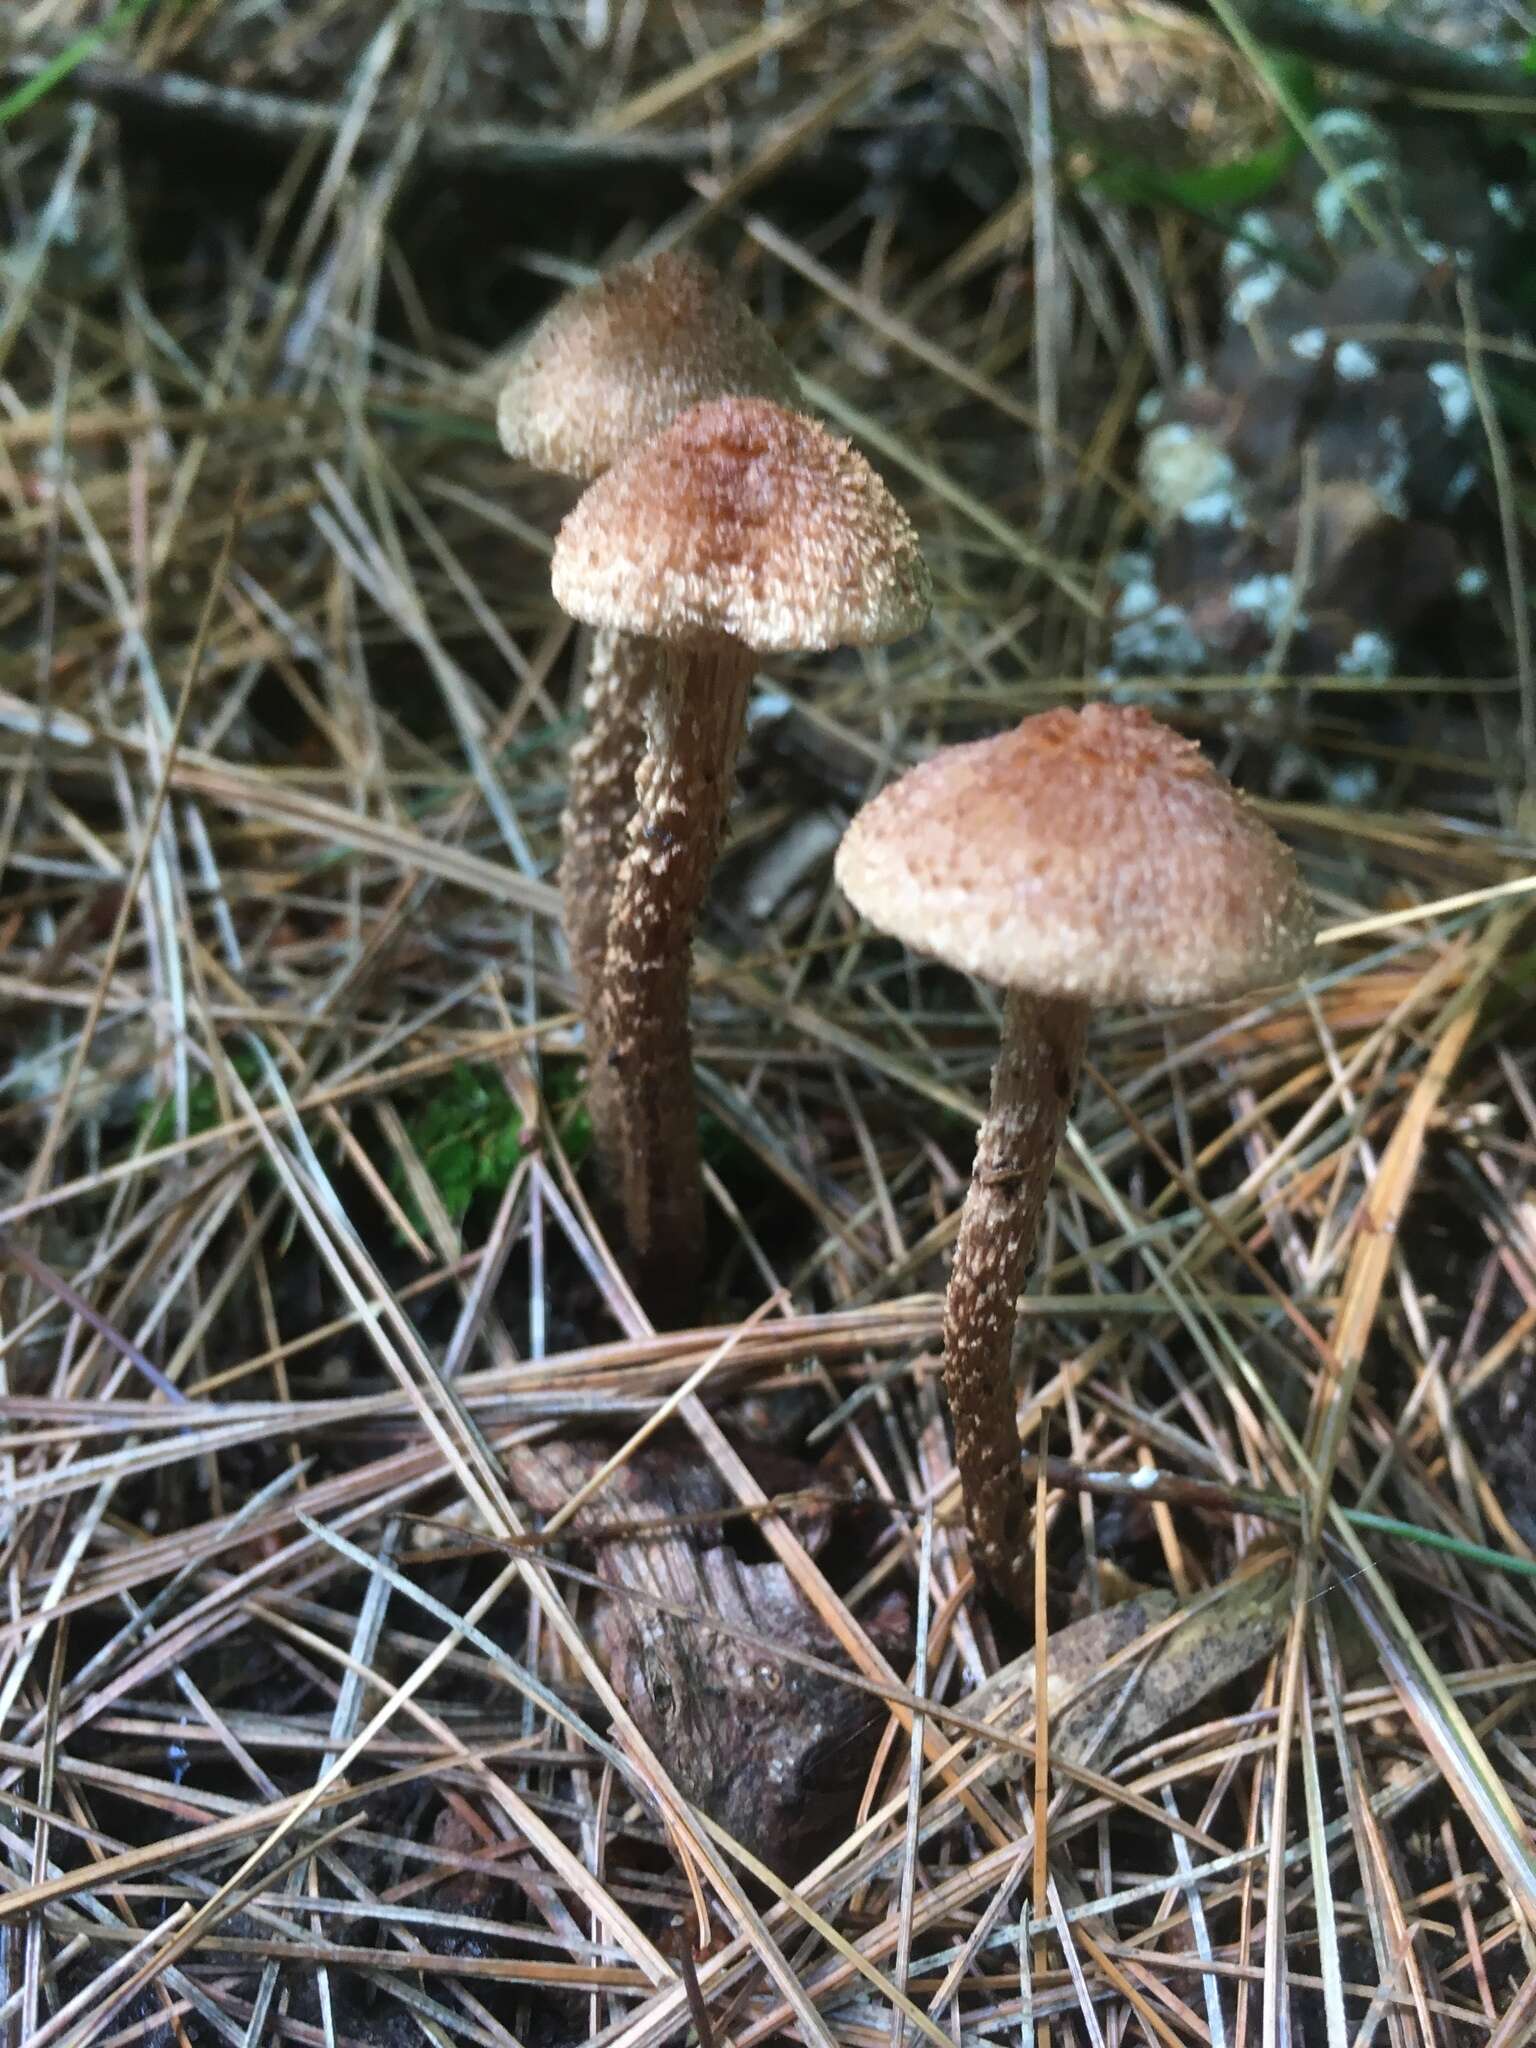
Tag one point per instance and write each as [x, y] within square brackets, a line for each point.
[694, 715]
[599, 804]
[1032, 1089]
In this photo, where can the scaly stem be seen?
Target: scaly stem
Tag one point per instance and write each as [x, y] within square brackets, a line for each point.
[599, 804]
[694, 714]
[1032, 1089]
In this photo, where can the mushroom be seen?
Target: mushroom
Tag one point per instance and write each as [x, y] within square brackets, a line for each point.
[1084, 859]
[742, 529]
[613, 363]
[607, 367]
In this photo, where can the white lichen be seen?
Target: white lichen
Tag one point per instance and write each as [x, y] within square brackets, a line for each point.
[1137, 599]
[1334, 206]
[1346, 131]
[1214, 508]
[767, 707]
[1354, 362]
[1368, 654]
[1355, 784]
[1253, 292]
[1265, 597]
[1250, 247]
[1506, 205]
[1453, 387]
[1179, 467]
[1163, 643]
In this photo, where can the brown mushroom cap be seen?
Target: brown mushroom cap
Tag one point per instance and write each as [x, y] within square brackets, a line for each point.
[1092, 854]
[743, 519]
[611, 364]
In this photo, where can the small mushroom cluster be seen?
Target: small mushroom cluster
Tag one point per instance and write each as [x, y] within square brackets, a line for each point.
[1084, 859]
[609, 366]
[742, 530]
[722, 525]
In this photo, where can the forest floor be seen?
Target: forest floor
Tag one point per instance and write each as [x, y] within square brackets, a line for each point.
[341, 1700]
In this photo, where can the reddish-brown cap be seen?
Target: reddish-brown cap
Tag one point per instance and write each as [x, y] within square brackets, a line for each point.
[1087, 853]
[613, 363]
[747, 520]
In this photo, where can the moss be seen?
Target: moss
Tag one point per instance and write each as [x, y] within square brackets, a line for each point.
[157, 1119]
[470, 1134]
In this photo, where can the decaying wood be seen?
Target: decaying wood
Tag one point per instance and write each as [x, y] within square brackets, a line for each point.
[771, 1750]
[1108, 1697]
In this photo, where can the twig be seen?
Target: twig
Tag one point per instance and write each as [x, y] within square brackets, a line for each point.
[76, 1303]
[696, 2002]
[1359, 42]
[273, 117]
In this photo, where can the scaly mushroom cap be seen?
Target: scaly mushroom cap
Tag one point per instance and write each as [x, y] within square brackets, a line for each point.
[1087, 853]
[613, 363]
[746, 520]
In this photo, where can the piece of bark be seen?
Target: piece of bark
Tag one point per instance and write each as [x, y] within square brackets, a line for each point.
[1100, 1707]
[771, 1750]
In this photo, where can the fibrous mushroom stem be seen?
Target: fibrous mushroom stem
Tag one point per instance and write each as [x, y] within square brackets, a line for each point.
[694, 715]
[599, 804]
[1032, 1089]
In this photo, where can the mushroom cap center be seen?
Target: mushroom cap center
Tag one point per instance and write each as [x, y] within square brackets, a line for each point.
[743, 519]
